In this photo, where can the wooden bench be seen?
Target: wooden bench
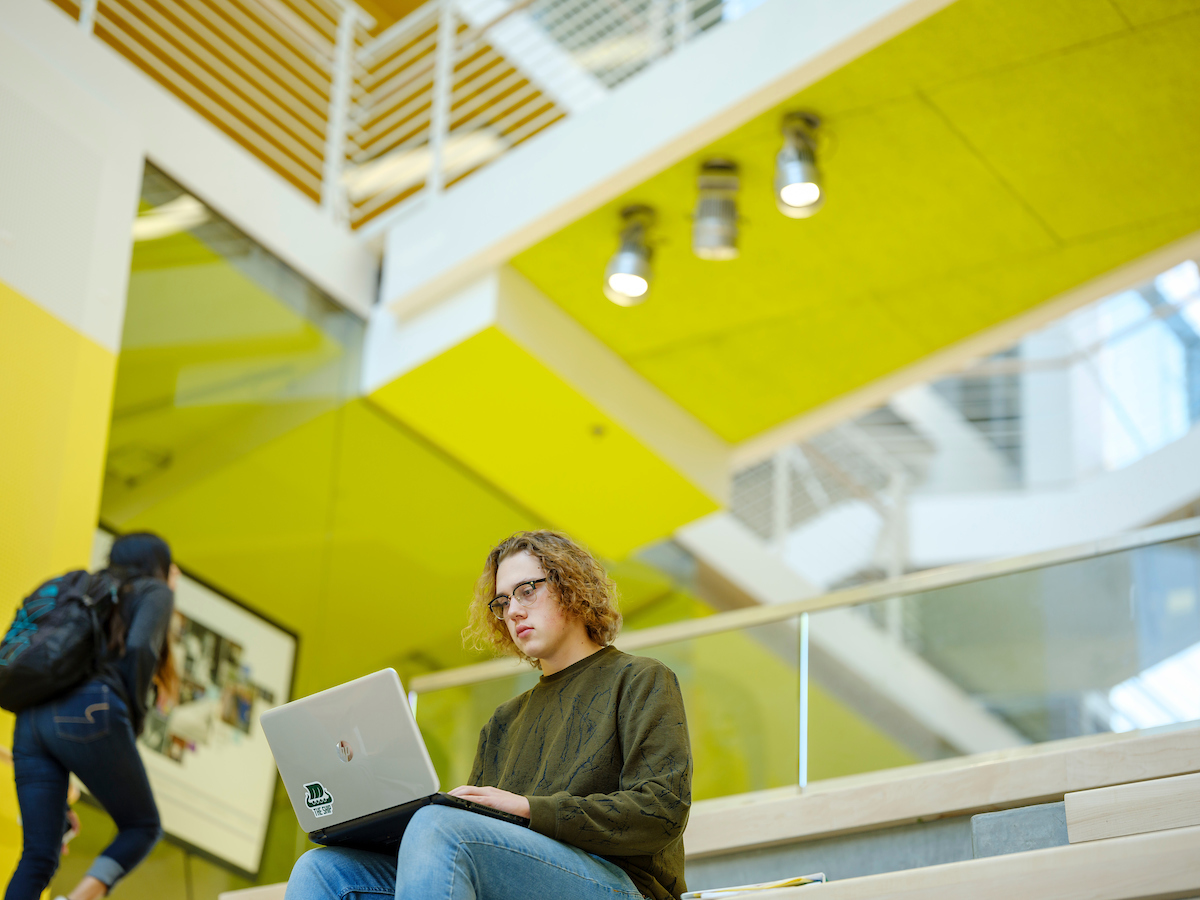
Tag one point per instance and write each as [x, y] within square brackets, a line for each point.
[961, 786]
[1158, 865]
[262, 892]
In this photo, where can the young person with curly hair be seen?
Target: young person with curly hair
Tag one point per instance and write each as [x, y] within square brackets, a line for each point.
[595, 755]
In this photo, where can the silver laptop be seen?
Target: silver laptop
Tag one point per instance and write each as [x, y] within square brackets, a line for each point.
[354, 764]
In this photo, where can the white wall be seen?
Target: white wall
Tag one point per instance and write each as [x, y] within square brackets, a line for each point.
[70, 174]
[189, 149]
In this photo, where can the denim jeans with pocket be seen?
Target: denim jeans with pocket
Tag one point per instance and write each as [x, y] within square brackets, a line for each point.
[86, 732]
[454, 854]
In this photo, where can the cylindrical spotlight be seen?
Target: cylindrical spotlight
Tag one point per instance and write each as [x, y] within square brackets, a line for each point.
[627, 275]
[798, 191]
[714, 227]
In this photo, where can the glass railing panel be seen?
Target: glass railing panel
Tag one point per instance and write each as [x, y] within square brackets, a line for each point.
[1108, 386]
[226, 425]
[451, 719]
[965, 660]
[741, 691]
[1102, 644]
[225, 349]
[847, 736]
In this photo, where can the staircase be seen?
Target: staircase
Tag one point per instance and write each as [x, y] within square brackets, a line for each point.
[1098, 817]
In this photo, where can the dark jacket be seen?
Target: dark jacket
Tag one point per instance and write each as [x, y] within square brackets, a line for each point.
[146, 604]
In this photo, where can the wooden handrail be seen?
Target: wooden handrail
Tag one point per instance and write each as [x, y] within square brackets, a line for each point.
[917, 582]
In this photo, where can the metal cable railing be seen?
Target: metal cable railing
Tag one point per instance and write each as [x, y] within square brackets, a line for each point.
[616, 40]
[362, 117]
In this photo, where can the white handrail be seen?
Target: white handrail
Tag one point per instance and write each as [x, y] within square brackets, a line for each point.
[331, 92]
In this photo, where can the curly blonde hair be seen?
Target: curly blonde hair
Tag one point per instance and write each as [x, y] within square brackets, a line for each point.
[579, 583]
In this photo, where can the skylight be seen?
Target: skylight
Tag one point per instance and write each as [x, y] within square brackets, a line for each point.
[1163, 694]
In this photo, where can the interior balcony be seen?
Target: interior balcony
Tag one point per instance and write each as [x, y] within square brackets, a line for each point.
[416, 156]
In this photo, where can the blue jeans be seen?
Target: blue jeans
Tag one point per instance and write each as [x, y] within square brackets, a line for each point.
[86, 732]
[453, 854]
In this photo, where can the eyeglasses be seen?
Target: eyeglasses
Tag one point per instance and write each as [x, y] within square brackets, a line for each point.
[525, 595]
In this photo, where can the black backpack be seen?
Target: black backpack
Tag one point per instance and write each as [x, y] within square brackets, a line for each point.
[57, 639]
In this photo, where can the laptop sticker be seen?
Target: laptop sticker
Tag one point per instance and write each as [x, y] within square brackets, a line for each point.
[318, 799]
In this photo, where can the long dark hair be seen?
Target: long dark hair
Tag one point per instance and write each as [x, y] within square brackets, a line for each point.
[141, 554]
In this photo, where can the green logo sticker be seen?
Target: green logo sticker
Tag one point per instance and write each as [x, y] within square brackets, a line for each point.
[319, 800]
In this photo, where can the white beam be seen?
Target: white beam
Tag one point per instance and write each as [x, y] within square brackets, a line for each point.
[950, 528]
[506, 300]
[70, 175]
[710, 86]
[735, 553]
[905, 681]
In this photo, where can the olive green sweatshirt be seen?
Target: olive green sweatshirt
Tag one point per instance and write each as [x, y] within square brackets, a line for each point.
[601, 750]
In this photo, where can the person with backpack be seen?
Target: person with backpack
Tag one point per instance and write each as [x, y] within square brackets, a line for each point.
[96, 643]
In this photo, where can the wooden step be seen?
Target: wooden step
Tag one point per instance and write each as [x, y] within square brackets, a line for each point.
[1136, 808]
[261, 892]
[1160, 865]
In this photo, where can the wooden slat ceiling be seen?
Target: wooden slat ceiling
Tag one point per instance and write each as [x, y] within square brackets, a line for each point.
[261, 71]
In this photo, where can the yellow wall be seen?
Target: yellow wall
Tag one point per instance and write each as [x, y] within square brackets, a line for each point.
[54, 411]
[490, 403]
[55, 394]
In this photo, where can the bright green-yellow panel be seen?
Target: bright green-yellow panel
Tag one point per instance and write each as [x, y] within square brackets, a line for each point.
[349, 530]
[842, 742]
[491, 404]
[1099, 139]
[235, 435]
[1140, 12]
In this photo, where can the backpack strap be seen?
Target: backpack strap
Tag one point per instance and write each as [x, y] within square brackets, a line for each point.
[102, 586]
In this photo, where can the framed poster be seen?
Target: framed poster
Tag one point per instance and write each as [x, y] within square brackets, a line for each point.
[208, 761]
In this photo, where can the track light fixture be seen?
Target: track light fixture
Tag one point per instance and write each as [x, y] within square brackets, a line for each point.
[627, 276]
[714, 226]
[798, 191]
